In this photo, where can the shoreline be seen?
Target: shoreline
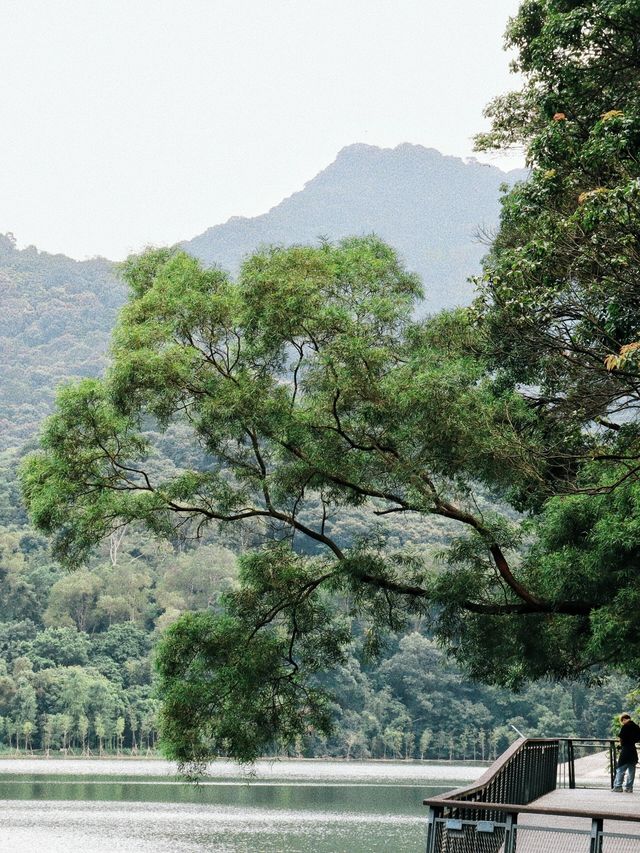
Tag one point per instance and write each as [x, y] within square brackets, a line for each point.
[402, 762]
[295, 769]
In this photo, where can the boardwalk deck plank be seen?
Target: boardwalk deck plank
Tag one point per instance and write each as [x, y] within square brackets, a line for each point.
[594, 800]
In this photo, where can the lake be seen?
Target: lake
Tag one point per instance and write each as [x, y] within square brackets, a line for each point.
[109, 805]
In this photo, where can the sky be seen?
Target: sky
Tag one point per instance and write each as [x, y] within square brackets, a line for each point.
[126, 123]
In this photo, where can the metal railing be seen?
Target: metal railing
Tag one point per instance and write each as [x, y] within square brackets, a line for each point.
[483, 817]
[450, 835]
[572, 749]
[526, 771]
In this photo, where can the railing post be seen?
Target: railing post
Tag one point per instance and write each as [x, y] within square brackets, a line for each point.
[571, 763]
[511, 821]
[613, 760]
[432, 829]
[596, 835]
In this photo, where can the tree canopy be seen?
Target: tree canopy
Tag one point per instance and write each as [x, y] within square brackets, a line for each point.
[306, 388]
[560, 295]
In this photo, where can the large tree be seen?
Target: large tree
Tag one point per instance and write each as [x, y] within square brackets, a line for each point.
[302, 391]
[560, 293]
[305, 389]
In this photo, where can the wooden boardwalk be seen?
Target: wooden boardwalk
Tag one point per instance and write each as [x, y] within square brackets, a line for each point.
[590, 818]
[553, 823]
[613, 808]
[593, 801]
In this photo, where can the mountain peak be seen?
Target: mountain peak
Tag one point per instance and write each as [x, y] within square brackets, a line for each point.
[406, 151]
[428, 205]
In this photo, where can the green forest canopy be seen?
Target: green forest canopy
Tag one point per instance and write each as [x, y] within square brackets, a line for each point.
[305, 388]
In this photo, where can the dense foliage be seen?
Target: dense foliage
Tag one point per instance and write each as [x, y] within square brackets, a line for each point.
[299, 393]
[560, 299]
[560, 285]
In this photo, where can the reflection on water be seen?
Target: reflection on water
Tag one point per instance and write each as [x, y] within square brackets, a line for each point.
[321, 806]
[106, 827]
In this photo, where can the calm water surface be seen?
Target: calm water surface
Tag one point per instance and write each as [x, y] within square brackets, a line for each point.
[63, 806]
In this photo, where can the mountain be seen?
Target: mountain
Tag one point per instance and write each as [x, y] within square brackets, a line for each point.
[56, 313]
[429, 206]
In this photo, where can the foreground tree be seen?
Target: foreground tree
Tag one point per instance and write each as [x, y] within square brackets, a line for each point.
[305, 390]
[560, 294]
[560, 303]
[308, 390]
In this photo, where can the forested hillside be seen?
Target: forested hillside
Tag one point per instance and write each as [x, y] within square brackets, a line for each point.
[56, 315]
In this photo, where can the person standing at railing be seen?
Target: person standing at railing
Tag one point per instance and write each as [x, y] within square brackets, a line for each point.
[629, 735]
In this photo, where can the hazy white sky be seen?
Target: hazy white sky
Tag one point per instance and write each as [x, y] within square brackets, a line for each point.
[127, 122]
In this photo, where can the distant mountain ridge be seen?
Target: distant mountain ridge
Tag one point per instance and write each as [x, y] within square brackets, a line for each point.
[56, 313]
[427, 205]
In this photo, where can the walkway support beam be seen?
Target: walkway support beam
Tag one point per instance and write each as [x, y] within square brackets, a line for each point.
[596, 835]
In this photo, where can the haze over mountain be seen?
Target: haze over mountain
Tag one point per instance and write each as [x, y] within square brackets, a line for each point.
[56, 313]
[428, 206]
